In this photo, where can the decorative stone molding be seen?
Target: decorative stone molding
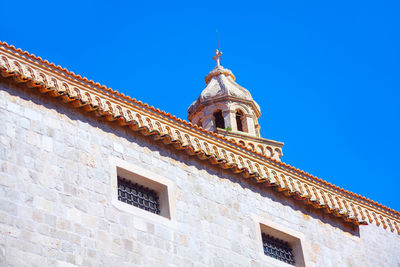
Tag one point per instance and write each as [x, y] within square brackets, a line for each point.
[265, 147]
[218, 71]
[104, 102]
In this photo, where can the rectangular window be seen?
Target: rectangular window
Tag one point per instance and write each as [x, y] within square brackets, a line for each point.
[142, 192]
[138, 195]
[279, 245]
[278, 249]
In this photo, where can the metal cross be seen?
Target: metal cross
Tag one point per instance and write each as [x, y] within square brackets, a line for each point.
[217, 56]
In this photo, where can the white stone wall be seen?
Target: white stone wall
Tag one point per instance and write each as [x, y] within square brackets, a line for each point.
[55, 201]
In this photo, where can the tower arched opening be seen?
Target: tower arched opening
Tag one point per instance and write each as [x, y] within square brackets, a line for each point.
[239, 120]
[219, 119]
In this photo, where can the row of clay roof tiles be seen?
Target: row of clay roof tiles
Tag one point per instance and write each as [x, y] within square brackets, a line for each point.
[189, 124]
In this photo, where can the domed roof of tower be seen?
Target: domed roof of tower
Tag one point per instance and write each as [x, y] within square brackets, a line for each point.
[221, 85]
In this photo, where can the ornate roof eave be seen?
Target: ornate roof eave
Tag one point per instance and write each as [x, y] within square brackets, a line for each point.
[24, 68]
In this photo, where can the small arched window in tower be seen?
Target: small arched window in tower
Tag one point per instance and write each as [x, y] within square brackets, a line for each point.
[219, 119]
[239, 119]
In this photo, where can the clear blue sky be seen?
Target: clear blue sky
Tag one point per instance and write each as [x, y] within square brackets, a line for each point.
[325, 73]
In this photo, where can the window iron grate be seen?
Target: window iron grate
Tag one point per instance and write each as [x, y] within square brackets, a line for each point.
[138, 196]
[278, 249]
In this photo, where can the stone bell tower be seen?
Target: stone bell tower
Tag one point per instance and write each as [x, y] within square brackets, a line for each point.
[228, 109]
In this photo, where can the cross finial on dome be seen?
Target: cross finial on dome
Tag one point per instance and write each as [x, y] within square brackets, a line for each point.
[218, 54]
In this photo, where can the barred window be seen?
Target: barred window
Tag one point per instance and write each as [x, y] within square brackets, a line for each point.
[138, 195]
[277, 249]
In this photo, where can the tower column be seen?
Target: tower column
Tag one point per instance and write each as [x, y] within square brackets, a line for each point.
[209, 123]
[229, 119]
[232, 117]
[258, 130]
[250, 125]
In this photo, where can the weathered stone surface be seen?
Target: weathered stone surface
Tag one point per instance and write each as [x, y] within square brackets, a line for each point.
[56, 202]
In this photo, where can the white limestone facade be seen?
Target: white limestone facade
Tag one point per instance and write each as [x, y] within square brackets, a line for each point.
[58, 203]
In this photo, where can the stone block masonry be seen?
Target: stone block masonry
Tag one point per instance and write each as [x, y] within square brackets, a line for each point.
[55, 201]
